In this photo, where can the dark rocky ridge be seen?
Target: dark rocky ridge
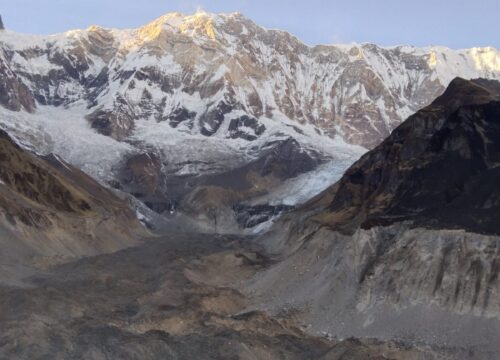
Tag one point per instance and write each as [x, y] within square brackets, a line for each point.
[169, 298]
[439, 169]
[405, 244]
[224, 77]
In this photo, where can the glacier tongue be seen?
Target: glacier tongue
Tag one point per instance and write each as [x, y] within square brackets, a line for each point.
[211, 94]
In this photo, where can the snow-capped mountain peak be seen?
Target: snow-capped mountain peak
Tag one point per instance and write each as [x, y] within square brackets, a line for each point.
[213, 65]
[207, 93]
[200, 24]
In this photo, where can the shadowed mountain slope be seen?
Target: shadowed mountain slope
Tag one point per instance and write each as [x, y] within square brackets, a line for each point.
[439, 169]
[50, 211]
[162, 110]
[405, 245]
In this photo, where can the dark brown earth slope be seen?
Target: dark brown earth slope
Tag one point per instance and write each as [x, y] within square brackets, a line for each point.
[50, 211]
[440, 169]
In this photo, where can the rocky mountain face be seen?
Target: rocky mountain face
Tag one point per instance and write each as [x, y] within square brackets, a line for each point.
[439, 169]
[212, 74]
[51, 212]
[222, 126]
[209, 94]
[405, 245]
[77, 281]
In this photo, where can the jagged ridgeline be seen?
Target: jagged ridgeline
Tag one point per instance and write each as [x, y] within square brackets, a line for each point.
[292, 204]
[405, 244]
[205, 71]
[167, 111]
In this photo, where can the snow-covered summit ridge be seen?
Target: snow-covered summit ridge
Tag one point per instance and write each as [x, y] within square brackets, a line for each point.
[200, 24]
[198, 71]
[206, 94]
[208, 25]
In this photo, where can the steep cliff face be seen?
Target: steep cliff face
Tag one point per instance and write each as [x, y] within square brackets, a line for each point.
[51, 211]
[405, 245]
[208, 73]
[14, 94]
[210, 95]
[439, 169]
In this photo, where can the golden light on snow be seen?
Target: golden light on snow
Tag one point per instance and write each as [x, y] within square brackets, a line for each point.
[432, 62]
[200, 23]
[151, 30]
[487, 59]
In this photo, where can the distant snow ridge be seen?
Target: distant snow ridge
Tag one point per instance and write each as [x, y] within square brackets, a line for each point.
[200, 72]
[207, 93]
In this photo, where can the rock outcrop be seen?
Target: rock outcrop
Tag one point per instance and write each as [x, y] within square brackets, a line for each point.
[405, 244]
[208, 94]
[439, 169]
[206, 70]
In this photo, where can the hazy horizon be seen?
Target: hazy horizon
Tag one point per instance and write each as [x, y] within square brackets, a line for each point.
[385, 23]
